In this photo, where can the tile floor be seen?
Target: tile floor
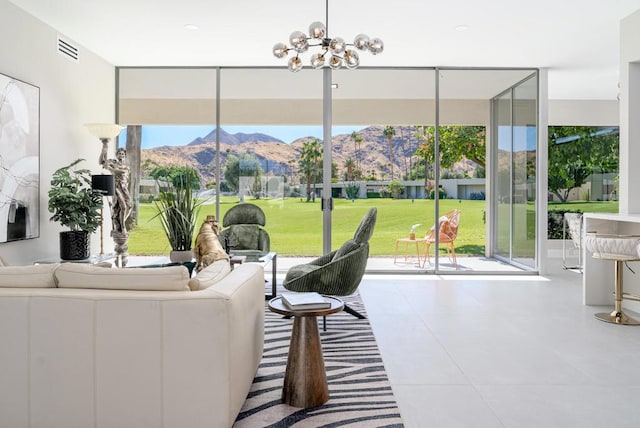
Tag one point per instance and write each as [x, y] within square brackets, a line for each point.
[503, 351]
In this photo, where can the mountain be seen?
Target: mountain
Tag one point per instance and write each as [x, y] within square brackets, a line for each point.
[238, 138]
[279, 158]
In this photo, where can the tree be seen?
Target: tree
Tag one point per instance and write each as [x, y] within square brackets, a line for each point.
[357, 141]
[350, 166]
[308, 163]
[246, 165]
[456, 143]
[389, 132]
[176, 175]
[396, 188]
[575, 152]
[404, 154]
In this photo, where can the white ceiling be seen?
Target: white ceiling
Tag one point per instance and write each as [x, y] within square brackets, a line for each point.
[577, 40]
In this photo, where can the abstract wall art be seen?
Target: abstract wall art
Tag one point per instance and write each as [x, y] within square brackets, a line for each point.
[19, 159]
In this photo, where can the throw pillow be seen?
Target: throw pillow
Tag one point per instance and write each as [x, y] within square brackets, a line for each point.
[76, 275]
[246, 237]
[33, 276]
[210, 275]
[345, 249]
[298, 271]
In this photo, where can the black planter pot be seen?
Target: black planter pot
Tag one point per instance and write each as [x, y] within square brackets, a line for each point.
[74, 245]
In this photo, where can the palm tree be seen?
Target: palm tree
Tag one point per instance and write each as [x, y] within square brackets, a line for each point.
[350, 166]
[389, 132]
[357, 140]
[309, 156]
[404, 155]
[354, 136]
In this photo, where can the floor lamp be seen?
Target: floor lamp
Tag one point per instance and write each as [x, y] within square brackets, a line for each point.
[106, 185]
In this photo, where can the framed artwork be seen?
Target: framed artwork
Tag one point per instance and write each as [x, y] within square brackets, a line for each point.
[19, 159]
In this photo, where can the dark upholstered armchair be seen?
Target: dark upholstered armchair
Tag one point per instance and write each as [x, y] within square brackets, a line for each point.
[338, 273]
[242, 233]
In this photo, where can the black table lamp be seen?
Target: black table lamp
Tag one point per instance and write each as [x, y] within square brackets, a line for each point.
[105, 184]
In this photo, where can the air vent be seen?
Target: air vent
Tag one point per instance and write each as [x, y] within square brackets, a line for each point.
[66, 49]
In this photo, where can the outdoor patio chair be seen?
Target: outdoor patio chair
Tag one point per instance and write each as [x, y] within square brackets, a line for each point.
[339, 272]
[242, 233]
[448, 234]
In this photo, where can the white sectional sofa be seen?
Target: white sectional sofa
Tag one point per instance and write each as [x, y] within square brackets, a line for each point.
[84, 346]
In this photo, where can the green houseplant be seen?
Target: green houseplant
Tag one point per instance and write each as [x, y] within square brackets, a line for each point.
[178, 210]
[75, 205]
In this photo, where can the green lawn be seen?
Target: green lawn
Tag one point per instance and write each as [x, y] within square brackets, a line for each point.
[295, 226]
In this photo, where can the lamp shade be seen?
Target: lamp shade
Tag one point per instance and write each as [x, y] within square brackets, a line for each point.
[103, 182]
[104, 130]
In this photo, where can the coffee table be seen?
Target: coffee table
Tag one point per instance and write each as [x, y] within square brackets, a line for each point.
[305, 379]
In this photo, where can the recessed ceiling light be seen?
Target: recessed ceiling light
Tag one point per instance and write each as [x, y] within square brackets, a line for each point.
[191, 27]
[462, 27]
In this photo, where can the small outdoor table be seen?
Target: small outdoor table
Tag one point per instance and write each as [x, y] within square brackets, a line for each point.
[419, 242]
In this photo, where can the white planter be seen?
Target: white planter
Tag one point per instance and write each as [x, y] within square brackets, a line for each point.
[181, 256]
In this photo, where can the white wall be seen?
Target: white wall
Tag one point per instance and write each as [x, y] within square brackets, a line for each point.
[71, 94]
[584, 112]
[629, 113]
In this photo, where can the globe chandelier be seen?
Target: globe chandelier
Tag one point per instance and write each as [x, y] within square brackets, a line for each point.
[334, 52]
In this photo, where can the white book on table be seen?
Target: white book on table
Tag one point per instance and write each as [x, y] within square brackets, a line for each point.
[305, 300]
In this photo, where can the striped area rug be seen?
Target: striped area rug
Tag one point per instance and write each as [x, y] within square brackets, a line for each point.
[359, 392]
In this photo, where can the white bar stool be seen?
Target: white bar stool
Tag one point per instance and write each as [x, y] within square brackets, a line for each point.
[621, 249]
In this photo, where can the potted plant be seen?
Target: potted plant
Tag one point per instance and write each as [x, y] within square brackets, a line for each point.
[178, 210]
[412, 231]
[75, 205]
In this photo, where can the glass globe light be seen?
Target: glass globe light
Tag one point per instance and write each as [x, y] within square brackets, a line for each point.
[351, 59]
[361, 42]
[376, 46]
[295, 64]
[317, 60]
[317, 30]
[280, 50]
[335, 62]
[304, 46]
[337, 45]
[298, 40]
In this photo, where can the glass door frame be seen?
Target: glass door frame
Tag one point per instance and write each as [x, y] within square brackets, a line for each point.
[494, 151]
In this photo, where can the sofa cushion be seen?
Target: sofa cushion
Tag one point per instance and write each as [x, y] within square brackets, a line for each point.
[210, 275]
[345, 249]
[33, 276]
[75, 275]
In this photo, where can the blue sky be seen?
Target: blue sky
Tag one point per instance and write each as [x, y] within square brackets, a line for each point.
[179, 135]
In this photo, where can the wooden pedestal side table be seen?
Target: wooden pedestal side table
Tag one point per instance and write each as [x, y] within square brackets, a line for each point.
[305, 379]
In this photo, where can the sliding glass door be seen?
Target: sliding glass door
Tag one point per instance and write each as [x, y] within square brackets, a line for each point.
[515, 156]
[412, 142]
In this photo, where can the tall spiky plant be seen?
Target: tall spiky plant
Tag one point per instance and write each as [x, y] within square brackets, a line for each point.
[178, 211]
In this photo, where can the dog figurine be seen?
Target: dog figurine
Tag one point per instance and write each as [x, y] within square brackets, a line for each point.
[208, 248]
